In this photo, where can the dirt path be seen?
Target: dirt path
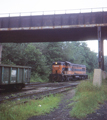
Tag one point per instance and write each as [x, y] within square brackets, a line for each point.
[62, 113]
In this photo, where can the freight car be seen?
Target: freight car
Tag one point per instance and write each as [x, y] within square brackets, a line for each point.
[66, 71]
[14, 77]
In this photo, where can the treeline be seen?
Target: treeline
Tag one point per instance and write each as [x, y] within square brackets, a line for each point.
[41, 55]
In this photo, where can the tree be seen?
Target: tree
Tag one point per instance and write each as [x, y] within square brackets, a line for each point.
[25, 55]
[40, 56]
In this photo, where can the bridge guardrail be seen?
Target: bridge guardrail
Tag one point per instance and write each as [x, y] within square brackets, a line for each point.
[54, 12]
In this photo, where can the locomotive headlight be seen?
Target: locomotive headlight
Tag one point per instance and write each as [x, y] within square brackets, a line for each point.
[55, 62]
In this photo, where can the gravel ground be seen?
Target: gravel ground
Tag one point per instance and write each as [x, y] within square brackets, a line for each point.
[62, 112]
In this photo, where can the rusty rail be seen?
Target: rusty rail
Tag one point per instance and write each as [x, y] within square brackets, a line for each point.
[37, 93]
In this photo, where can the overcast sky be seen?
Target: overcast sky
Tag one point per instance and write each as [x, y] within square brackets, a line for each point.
[93, 45]
[13, 6]
[8, 6]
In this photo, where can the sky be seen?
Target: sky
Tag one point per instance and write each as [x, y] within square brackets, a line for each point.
[17, 6]
[93, 45]
[8, 6]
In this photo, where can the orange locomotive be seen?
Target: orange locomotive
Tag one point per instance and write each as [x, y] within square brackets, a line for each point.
[65, 71]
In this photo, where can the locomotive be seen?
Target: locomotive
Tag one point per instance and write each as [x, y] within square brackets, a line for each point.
[66, 71]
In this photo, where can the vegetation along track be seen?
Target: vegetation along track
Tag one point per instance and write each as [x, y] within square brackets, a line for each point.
[37, 95]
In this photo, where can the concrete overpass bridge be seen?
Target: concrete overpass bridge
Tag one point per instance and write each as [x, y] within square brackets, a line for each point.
[68, 25]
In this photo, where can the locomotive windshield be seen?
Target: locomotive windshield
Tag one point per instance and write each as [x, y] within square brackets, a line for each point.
[58, 63]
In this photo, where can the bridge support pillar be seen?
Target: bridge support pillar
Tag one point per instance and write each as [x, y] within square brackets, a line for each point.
[100, 50]
[0, 52]
[97, 78]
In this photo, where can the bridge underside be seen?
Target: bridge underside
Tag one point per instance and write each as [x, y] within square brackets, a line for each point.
[52, 35]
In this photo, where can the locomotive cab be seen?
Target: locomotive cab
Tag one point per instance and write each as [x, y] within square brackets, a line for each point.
[58, 69]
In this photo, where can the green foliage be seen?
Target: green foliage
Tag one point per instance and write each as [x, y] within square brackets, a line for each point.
[26, 55]
[36, 78]
[90, 75]
[88, 98]
[79, 53]
[40, 56]
[32, 108]
[53, 52]
[105, 63]
[8, 62]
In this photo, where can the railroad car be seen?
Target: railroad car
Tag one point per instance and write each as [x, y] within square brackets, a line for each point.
[66, 71]
[14, 77]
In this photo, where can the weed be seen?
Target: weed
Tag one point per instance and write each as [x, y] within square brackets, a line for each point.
[90, 76]
[88, 98]
[71, 104]
[32, 108]
[20, 94]
[68, 101]
[36, 78]
[6, 97]
[13, 95]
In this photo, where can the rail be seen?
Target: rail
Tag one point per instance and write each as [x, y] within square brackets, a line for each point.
[54, 12]
[36, 93]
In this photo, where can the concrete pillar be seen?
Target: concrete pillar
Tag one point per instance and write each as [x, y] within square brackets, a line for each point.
[0, 53]
[100, 50]
[97, 78]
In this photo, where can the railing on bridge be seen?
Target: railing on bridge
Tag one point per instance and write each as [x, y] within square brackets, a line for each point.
[73, 18]
[53, 12]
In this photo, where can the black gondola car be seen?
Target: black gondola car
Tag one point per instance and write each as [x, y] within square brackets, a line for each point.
[14, 77]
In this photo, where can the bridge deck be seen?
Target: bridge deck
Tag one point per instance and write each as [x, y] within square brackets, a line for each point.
[47, 28]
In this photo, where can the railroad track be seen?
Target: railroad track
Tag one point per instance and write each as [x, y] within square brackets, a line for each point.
[37, 95]
[10, 94]
[27, 88]
[35, 83]
[50, 83]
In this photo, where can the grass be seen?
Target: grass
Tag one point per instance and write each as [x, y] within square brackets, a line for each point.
[87, 98]
[9, 111]
[90, 75]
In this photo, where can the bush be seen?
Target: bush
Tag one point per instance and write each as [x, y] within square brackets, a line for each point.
[90, 76]
[35, 77]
